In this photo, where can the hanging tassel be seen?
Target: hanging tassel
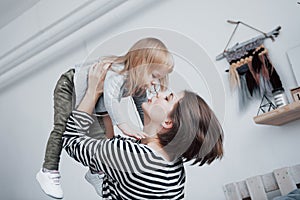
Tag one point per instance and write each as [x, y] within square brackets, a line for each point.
[234, 76]
[264, 69]
[274, 77]
[256, 66]
[251, 82]
[243, 69]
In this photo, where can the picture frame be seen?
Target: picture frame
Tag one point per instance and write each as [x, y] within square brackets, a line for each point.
[295, 93]
[294, 60]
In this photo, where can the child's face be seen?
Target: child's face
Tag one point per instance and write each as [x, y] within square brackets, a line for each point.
[156, 74]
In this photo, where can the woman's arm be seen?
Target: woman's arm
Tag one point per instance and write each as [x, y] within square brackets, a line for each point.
[80, 121]
[96, 78]
[108, 156]
[76, 143]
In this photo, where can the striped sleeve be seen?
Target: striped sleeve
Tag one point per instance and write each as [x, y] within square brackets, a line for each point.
[110, 156]
[75, 142]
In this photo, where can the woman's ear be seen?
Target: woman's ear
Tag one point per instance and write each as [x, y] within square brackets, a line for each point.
[167, 124]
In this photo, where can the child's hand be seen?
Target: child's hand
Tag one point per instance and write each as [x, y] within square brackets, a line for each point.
[137, 134]
[131, 132]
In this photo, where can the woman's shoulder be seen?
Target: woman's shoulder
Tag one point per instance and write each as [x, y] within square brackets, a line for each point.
[134, 145]
[130, 144]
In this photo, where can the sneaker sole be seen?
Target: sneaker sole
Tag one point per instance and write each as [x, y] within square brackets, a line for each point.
[87, 178]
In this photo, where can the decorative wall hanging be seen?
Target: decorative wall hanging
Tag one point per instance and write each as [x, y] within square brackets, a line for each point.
[251, 70]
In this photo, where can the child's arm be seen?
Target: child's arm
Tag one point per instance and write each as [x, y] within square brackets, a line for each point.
[138, 101]
[109, 130]
[97, 154]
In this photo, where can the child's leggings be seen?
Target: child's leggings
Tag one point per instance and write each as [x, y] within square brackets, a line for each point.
[64, 98]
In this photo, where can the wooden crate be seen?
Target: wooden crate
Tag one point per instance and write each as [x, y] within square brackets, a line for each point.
[256, 188]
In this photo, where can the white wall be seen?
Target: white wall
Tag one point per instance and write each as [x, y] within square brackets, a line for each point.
[250, 149]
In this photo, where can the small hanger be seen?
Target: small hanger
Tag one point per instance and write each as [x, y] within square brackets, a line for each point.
[271, 35]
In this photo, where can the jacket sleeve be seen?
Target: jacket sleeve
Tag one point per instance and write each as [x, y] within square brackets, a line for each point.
[113, 102]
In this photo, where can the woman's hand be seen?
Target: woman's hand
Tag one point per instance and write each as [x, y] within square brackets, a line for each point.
[96, 78]
[127, 130]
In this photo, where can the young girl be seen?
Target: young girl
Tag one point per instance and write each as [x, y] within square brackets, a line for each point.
[147, 63]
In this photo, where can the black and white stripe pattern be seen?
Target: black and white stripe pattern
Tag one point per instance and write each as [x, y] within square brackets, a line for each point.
[133, 170]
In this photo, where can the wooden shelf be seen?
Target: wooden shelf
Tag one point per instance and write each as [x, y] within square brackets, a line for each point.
[280, 115]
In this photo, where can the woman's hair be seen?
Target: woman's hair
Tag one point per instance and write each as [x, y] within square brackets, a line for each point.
[196, 133]
[142, 58]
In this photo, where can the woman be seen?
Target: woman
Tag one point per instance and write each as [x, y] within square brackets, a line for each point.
[180, 128]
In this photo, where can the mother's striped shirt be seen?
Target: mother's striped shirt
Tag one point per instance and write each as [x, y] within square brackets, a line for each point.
[133, 170]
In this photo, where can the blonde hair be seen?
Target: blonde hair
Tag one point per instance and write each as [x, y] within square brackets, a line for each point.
[142, 58]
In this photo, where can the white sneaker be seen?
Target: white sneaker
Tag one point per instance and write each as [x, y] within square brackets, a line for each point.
[95, 180]
[50, 183]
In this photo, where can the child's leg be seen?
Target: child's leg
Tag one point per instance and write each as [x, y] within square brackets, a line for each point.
[109, 133]
[97, 129]
[49, 177]
[63, 105]
[138, 101]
